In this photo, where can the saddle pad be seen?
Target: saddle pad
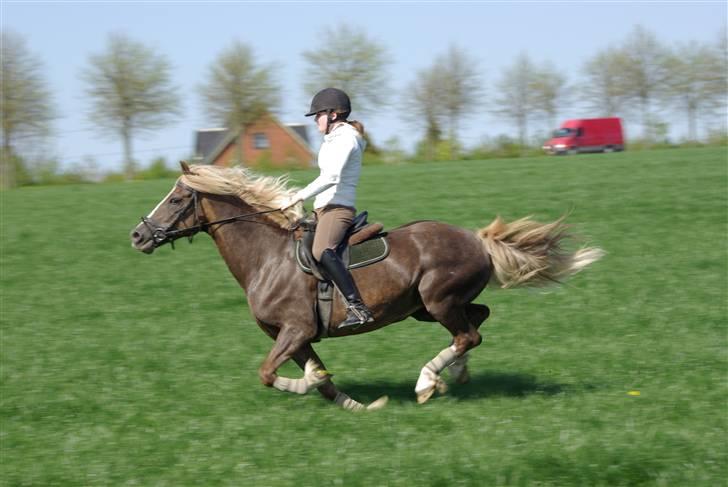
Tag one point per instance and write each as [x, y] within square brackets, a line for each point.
[361, 255]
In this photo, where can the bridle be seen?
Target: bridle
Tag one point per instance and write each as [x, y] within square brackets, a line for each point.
[162, 235]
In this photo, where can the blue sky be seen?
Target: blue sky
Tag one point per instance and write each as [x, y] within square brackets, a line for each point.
[192, 34]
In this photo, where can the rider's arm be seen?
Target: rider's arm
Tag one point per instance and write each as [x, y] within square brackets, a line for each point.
[332, 160]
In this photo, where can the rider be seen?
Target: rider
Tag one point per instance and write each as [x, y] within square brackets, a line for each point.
[339, 160]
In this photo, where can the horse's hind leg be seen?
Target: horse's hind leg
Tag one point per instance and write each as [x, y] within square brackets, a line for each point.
[462, 322]
[477, 314]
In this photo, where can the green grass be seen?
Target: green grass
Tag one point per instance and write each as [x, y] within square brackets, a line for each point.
[119, 368]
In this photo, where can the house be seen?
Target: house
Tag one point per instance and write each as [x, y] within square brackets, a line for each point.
[267, 143]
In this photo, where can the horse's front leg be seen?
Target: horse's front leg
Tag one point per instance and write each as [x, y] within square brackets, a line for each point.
[288, 342]
[306, 355]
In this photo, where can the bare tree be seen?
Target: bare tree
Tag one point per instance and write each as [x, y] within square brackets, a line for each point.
[26, 109]
[238, 91]
[460, 90]
[420, 106]
[441, 95]
[720, 78]
[643, 72]
[547, 91]
[692, 76]
[350, 61]
[130, 92]
[603, 88]
[515, 100]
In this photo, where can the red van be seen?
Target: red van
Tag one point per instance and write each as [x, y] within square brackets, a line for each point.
[587, 135]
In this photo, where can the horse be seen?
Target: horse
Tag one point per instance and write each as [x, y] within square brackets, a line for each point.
[433, 272]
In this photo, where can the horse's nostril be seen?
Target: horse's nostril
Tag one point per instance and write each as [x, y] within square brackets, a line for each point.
[136, 237]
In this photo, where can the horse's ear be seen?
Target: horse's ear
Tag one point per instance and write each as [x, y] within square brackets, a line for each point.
[185, 167]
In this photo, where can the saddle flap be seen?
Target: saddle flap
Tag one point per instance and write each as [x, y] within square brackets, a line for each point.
[358, 233]
[362, 254]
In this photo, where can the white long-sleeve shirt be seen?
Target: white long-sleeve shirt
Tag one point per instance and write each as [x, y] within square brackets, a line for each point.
[339, 160]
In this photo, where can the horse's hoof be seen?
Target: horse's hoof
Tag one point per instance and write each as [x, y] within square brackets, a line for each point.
[378, 404]
[441, 386]
[463, 378]
[423, 396]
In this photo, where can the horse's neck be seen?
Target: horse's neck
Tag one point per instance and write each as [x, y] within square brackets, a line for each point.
[247, 245]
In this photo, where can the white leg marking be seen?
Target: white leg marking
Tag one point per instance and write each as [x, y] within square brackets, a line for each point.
[348, 403]
[429, 379]
[313, 377]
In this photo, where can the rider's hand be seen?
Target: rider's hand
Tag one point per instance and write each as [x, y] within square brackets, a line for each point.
[290, 201]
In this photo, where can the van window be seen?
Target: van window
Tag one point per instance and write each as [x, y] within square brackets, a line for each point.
[580, 132]
[563, 132]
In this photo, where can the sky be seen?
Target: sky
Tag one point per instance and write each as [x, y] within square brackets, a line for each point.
[192, 34]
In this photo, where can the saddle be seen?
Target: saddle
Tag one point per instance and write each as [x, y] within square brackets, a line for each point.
[363, 244]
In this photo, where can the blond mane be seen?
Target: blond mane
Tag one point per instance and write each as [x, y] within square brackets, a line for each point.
[262, 192]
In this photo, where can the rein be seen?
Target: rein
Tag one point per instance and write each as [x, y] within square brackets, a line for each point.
[162, 235]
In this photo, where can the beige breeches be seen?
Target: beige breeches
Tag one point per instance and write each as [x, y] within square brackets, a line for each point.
[333, 221]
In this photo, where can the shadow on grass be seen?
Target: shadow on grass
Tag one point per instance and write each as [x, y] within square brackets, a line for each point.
[484, 385]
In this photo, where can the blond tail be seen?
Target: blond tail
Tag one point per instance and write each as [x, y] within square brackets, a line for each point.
[528, 253]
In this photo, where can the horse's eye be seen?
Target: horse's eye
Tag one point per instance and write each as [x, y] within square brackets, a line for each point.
[175, 201]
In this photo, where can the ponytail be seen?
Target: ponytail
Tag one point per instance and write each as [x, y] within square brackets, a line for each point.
[357, 125]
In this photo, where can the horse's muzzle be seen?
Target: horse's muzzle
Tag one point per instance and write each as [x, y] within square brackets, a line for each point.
[142, 239]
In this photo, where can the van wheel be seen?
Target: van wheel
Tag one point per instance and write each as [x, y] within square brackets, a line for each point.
[608, 148]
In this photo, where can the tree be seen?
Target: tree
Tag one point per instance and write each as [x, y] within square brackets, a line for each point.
[547, 91]
[459, 89]
[720, 77]
[441, 95]
[515, 99]
[238, 92]
[420, 107]
[603, 88]
[130, 92]
[643, 71]
[350, 61]
[26, 109]
[692, 76]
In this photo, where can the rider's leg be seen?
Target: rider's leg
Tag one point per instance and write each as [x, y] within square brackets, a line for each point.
[330, 230]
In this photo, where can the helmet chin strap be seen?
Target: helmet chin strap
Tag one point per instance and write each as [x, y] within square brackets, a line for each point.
[329, 121]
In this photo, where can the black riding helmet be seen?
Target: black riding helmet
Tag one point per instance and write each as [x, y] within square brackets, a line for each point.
[330, 100]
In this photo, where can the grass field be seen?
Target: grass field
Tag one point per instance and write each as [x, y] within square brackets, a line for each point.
[119, 368]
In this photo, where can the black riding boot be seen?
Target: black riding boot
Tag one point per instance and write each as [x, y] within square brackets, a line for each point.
[356, 312]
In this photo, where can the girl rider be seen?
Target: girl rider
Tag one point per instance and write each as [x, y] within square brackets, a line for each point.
[339, 160]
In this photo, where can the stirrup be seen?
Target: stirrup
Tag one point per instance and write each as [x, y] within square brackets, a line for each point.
[356, 315]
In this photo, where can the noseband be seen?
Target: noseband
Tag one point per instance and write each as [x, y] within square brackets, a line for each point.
[161, 235]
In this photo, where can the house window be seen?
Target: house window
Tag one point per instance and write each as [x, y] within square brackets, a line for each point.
[260, 141]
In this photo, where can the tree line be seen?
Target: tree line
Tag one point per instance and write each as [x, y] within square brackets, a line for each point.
[129, 89]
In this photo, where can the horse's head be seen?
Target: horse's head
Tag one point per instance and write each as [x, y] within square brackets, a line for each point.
[177, 215]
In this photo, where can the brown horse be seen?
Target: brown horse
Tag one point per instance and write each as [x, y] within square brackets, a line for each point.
[433, 272]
